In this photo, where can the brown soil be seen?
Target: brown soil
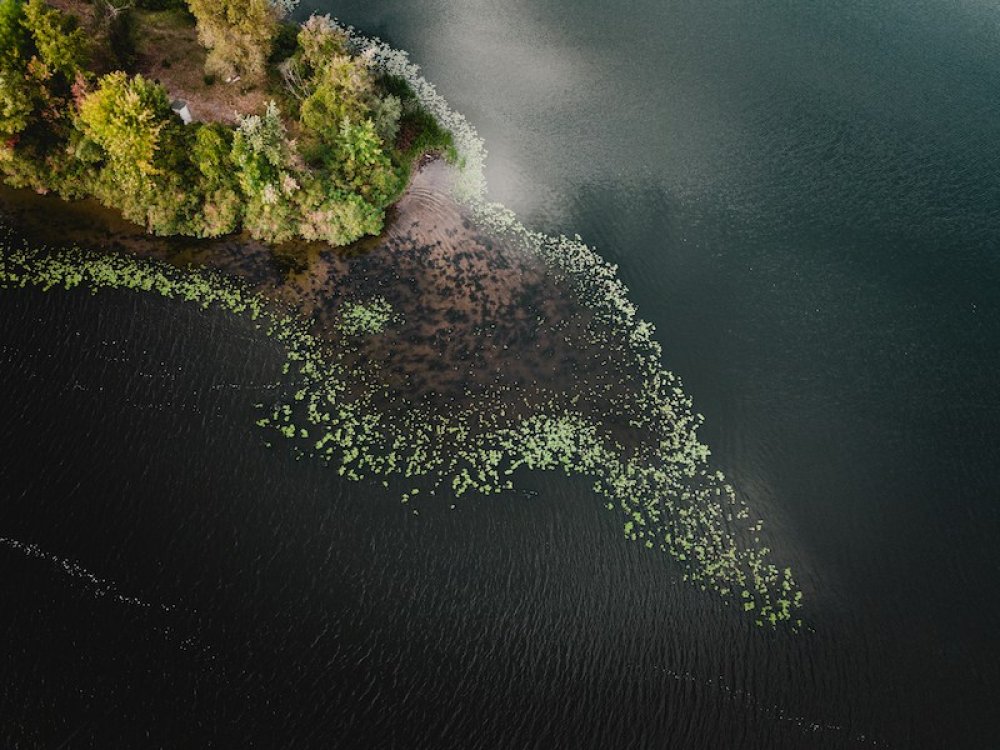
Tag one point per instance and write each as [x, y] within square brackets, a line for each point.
[84, 11]
[168, 52]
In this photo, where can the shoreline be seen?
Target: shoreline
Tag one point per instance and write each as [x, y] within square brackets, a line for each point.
[506, 348]
[471, 305]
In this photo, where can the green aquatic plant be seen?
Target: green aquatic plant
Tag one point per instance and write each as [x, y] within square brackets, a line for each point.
[662, 484]
[366, 318]
[669, 496]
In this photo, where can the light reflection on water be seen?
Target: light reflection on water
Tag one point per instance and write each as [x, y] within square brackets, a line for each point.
[809, 215]
[804, 199]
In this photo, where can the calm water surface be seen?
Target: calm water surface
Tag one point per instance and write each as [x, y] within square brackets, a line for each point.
[804, 199]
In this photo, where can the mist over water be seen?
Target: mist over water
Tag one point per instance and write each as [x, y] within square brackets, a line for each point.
[803, 199]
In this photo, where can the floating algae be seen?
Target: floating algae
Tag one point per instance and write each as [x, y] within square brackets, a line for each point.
[670, 497]
[371, 317]
[610, 412]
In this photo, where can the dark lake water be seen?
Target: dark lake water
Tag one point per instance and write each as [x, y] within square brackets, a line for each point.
[803, 198]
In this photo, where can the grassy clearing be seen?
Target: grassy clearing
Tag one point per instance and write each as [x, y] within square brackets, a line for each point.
[167, 51]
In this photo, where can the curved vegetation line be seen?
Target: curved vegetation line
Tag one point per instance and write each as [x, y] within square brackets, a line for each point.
[671, 499]
[704, 516]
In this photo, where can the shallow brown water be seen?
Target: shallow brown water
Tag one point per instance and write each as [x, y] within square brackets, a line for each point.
[478, 317]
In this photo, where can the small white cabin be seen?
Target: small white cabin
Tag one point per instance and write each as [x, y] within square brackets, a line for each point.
[180, 107]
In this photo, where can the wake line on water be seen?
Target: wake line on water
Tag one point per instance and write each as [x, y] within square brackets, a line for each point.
[99, 587]
[771, 711]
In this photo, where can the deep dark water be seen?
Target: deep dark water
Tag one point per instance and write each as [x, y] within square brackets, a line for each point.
[803, 198]
[286, 608]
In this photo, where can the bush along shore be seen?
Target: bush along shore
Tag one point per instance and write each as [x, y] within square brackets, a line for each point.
[136, 107]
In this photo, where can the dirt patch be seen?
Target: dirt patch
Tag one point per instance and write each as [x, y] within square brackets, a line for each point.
[168, 52]
[84, 11]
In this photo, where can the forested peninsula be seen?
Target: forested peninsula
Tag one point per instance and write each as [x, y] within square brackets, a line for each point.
[205, 117]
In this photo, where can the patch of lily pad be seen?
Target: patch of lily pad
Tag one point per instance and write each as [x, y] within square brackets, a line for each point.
[669, 497]
[366, 317]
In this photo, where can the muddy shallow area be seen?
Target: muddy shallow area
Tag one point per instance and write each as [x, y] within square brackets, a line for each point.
[477, 318]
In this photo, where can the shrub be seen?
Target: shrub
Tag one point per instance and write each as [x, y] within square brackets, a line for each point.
[260, 149]
[238, 35]
[320, 40]
[262, 157]
[336, 216]
[341, 90]
[386, 116]
[62, 47]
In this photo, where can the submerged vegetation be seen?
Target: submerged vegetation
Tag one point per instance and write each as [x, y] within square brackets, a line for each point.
[329, 150]
[670, 499]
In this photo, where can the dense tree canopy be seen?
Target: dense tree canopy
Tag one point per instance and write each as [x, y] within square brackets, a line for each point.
[62, 47]
[238, 35]
[130, 118]
[142, 148]
[16, 92]
[116, 137]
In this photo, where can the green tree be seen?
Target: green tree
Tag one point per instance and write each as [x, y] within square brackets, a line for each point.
[17, 90]
[360, 163]
[386, 116]
[15, 40]
[336, 216]
[238, 35]
[130, 119]
[217, 185]
[42, 55]
[341, 90]
[319, 41]
[16, 103]
[264, 164]
[144, 169]
[62, 47]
